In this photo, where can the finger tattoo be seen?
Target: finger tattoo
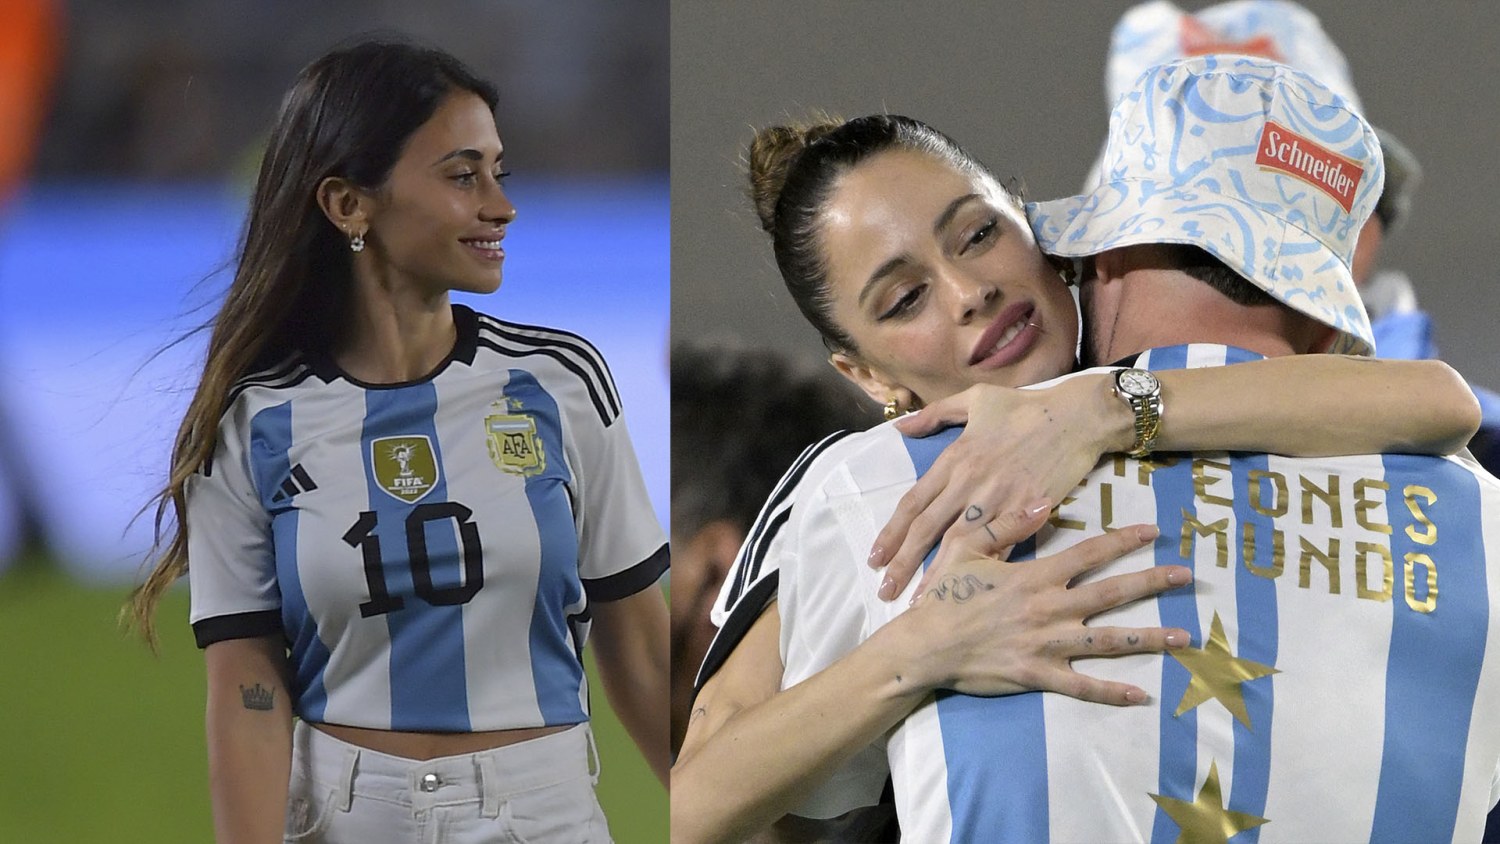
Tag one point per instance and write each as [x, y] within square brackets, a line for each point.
[973, 514]
[987, 530]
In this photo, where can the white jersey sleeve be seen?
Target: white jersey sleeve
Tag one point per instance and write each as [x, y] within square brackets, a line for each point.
[231, 564]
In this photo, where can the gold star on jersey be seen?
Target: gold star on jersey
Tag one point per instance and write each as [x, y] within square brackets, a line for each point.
[1218, 674]
[1205, 819]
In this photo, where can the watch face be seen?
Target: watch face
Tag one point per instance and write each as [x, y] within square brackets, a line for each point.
[1137, 382]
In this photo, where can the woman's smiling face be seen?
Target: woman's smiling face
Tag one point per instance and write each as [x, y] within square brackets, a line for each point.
[934, 274]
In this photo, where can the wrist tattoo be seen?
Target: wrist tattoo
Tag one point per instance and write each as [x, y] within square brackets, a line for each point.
[259, 697]
[961, 588]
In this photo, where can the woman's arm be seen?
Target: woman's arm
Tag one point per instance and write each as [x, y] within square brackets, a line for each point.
[631, 643]
[249, 721]
[1025, 444]
[751, 754]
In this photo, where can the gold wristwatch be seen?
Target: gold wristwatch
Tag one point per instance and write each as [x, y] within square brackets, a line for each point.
[1142, 391]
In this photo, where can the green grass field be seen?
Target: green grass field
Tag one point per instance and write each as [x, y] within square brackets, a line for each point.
[103, 742]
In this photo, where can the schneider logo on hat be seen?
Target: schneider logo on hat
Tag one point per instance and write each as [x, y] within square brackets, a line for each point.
[1286, 151]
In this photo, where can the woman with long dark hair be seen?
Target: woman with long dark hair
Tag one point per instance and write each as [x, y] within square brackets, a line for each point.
[400, 518]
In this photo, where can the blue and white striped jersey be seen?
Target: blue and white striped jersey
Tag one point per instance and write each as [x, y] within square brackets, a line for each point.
[1341, 684]
[429, 549]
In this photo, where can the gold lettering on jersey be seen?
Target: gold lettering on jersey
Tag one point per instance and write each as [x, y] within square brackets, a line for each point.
[1328, 494]
[1280, 499]
[514, 445]
[1143, 467]
[1106, 507]
[1202, 481]
[1326, 557]
[1278, 553]
[1363, 504]
[405, 467]
[1428, 536]
[1362, 553]
[1058, 521]
[1192, 528]
[1428, 603]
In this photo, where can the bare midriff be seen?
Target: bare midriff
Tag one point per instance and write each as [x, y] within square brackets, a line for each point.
[433, 745]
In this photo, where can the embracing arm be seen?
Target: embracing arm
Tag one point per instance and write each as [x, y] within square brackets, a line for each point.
[630, 644]
[249, 722]
[1024, 444]
[752, 753]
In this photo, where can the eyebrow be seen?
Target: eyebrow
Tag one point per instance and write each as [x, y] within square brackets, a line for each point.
[943, 220]
[470, 154]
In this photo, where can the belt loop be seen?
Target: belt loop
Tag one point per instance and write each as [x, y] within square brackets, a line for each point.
[345, 795]
[489, 785]
[593, 753]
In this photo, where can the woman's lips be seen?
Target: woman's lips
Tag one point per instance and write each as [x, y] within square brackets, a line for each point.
[1008, 338]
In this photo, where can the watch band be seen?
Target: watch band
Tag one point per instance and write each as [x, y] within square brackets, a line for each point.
[1142, 391]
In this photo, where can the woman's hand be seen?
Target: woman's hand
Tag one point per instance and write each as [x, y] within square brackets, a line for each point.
[991, 628]
[1021, 448]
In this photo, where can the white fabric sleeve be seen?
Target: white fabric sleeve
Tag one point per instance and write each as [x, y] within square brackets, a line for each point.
[621, 546]
[825, 614]
[231, 559]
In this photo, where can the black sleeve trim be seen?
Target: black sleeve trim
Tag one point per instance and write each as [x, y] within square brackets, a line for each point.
[741, 617]
[244, 625]
[630, 581]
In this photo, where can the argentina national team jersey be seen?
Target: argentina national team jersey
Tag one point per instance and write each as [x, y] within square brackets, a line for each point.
[429, 549]
[1341, 683]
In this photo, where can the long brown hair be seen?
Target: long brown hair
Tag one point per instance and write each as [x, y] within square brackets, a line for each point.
[349, 114]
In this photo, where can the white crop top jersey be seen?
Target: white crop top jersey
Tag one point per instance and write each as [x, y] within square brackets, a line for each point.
[430, 549]
[1342, 681]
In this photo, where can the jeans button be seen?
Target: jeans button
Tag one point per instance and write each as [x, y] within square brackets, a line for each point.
[430, 782]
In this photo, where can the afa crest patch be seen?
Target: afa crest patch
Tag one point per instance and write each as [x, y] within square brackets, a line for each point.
[514, 445]
[405, 467]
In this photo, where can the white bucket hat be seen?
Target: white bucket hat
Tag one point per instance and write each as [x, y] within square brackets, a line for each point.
[1254, 162]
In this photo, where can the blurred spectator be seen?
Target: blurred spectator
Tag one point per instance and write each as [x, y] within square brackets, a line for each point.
[739, 419]
[29, 51]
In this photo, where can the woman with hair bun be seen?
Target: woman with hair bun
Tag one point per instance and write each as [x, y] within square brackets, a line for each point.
[400, 518]
[923, 277]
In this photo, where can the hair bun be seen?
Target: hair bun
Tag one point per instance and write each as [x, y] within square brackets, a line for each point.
[773, 153]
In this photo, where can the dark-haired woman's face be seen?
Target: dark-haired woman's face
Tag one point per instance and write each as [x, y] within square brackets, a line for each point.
[937, 278]
[442, 213]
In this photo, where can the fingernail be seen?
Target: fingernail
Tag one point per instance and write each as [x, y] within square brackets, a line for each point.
[1135, 696]
[1038, 507]
[1177, 639]
[1147, 533]
[1177, 577]
[877, 557]
[887, 588]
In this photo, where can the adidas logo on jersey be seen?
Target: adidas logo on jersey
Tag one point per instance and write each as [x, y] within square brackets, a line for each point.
[405, 467]
[297, 481]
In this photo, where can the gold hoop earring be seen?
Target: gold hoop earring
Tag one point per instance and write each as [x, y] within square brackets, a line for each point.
[892, 409]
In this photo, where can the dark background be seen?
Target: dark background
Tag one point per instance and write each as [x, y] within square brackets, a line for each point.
[1022, 86]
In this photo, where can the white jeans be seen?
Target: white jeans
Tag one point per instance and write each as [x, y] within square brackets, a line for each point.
[536, 791]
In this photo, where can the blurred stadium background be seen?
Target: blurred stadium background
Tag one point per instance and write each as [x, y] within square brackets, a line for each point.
[129, 133]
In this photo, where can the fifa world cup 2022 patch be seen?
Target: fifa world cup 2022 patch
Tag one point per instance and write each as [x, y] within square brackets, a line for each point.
[405, 466]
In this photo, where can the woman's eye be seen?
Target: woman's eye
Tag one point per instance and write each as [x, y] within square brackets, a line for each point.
[902, 305]
[981, 235]
[465, 179]
[500, 176]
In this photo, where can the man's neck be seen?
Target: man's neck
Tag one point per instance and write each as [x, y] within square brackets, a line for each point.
[1171, 309]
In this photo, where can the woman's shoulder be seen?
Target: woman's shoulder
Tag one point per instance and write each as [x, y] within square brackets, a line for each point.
[561, 361]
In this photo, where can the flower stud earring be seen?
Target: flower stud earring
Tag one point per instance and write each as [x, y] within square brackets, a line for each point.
[357, 243]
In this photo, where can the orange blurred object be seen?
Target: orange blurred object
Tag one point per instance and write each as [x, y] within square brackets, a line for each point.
[30, 48]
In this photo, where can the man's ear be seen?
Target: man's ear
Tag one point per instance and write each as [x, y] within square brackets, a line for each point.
[345, 205]
[875, 384]
[1111, 264]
